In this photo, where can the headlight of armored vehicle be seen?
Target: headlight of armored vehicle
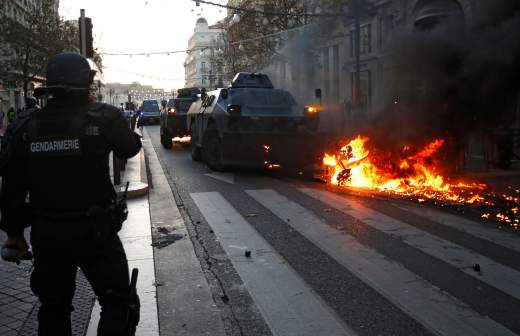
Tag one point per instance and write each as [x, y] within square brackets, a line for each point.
[234, 110]
[312, 110]
[172, 111]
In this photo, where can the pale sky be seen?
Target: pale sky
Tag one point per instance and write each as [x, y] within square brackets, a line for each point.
[126, 26]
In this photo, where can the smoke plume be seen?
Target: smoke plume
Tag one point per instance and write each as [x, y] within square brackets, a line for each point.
[454, 79]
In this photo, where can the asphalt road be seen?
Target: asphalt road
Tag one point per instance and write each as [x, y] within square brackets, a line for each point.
[293, 257]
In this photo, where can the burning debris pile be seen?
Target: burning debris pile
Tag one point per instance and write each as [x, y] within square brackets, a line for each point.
[415, 172]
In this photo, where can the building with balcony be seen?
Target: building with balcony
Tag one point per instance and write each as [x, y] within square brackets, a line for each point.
[203, 66]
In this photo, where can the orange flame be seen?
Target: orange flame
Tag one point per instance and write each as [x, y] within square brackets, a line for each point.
[183, 139]
[413, 174]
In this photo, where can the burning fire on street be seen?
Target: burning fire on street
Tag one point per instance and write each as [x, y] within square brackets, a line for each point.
[415, 173]
[182, 140]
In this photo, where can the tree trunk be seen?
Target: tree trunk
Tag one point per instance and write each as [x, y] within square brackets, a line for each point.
[25, 87]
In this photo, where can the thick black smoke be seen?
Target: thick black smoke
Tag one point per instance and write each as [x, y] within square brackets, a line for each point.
[455, 79]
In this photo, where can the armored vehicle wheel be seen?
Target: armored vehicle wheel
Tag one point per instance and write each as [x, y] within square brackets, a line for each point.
[212, 149]
[196, 154]
[166, 140]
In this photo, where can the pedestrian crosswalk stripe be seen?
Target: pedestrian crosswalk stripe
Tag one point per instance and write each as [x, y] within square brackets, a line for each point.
[288, 304]
[497, 275]
[437, 310]
[465, 225]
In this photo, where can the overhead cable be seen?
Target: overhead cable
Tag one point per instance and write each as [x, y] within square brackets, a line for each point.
[203, 48]
[269, 13]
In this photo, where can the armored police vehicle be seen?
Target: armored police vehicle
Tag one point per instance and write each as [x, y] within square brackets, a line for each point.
[173, 117]
[249, 123]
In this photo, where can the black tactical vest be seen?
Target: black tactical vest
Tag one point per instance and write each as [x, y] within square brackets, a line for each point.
[68, 161]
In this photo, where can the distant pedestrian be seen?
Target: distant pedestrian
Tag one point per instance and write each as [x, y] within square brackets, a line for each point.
[2, 115]
[11, 115]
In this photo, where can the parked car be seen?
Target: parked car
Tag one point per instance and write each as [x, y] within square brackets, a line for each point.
[173, 117]
[250, 123]
[149, 113]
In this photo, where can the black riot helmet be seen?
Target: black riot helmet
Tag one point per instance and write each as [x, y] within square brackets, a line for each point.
[69, 70]
[66, 72]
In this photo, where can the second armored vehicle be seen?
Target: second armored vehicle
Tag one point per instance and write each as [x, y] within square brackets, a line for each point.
[173, 117]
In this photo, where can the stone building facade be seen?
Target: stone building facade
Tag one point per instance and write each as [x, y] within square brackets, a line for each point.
[119, 94]
[330, 64]
[202, 67]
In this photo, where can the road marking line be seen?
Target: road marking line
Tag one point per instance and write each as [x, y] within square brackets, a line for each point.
[288, 304]
[493, 273]
[468, 226]
[437, 310]
[224, 177]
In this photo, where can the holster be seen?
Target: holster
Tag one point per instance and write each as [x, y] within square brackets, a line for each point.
[119, 214]
[107, 221]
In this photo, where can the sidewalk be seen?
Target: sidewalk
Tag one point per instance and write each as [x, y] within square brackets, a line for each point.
[137, 241]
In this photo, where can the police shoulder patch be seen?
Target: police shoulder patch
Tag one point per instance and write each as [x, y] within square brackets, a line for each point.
[92, 130]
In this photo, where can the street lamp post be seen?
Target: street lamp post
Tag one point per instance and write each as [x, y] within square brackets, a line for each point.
[83, 33]
[357, 50]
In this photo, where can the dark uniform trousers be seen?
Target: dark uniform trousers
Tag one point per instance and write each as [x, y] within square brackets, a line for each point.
[60, 247]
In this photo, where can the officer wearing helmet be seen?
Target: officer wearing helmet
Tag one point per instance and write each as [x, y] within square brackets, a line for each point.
[56, 179]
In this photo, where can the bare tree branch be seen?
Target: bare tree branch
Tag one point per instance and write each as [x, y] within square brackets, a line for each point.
[29, 43]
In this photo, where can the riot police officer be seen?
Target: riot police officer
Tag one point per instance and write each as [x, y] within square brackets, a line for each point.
[56, 179]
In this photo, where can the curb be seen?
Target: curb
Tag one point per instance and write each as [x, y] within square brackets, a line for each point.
[139, 188]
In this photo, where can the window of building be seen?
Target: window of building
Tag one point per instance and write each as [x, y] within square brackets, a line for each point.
[365, 40]
[203, 66]
[335, 73]
[380, 23]
[365, 90]
[326, 72]
[352, 44]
